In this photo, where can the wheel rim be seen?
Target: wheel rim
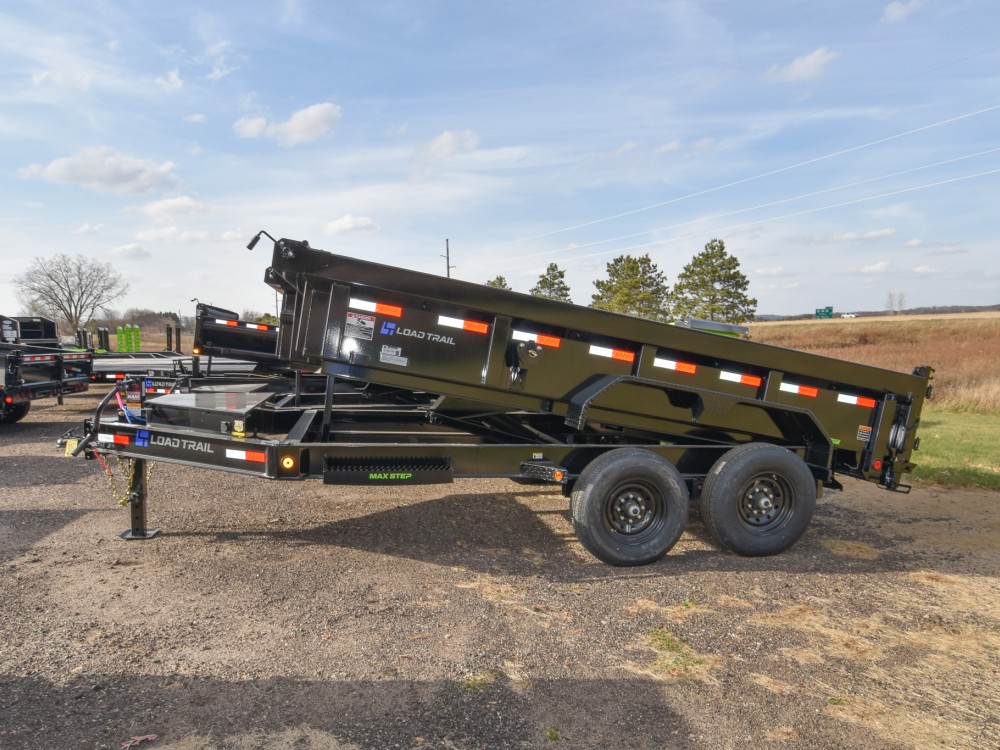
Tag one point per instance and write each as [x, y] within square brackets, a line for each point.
[766, 503]
[635, 511]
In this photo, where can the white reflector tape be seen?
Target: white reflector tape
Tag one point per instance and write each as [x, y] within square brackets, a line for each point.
[465, 325]
[255, 456]
[539, 338]
[221, 322]
[104, 437]
[361, 304]
[619, 354]
[738, 377]
[670, 364]
[801, 390]
[868, 403]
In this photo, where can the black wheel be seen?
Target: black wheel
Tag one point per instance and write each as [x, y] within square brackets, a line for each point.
[14, 412]
[629, 507]
[758, 499]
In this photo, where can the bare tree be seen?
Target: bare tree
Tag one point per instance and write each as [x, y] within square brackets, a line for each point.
[69, 288]
[890, 303]
[900, 302]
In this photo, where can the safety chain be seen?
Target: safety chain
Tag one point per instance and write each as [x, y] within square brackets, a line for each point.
[127, 467]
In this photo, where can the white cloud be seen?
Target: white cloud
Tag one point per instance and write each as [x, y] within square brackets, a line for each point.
[219, 57]
[105, 170]
[913, 243]
[806, 68]
[235, 235]
[773, 271]
[250, 127]
[896, 211]
[449, 144]
[88, 228]
[349, 224]
[171, 82]
[132, 251]
[926, 269]
[172, 235]
[303, 126]
[170, 208]
[874, 234]
[881, 267]
[668, 148]
[899, 11]
[196, 117]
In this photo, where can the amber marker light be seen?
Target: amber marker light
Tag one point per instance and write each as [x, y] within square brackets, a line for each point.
[288, 463]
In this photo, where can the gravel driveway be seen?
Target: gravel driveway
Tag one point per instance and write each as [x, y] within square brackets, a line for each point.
[296, 615]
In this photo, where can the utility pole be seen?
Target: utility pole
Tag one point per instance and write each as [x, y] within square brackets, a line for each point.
[447, 260]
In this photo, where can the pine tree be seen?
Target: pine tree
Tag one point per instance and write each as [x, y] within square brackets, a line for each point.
[498, 283]
[712, 287]
[635, 286]
[552, 284]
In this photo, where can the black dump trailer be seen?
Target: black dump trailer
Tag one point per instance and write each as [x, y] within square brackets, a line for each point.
[385, 376]
[30, 372]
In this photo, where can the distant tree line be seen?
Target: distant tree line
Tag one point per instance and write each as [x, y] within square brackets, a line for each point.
[710, 287]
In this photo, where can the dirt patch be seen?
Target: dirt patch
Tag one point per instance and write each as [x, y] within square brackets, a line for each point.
[293, 615]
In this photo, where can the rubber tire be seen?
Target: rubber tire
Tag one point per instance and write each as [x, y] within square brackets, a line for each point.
[607, 477]
[729, 479]
[15, 412]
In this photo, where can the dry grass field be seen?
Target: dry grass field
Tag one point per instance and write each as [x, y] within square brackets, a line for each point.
[963, 350]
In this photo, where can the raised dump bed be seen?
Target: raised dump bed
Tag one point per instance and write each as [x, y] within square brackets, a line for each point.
[441, 378]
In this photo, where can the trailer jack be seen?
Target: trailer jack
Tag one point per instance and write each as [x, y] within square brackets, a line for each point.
[136, 499]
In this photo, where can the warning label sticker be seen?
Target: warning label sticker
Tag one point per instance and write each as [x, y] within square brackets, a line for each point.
[360, 326]
[864, 433]
[391, 355]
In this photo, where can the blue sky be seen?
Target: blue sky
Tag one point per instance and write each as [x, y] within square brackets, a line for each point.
[842, 151]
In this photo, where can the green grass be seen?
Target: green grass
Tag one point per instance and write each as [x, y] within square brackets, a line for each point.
[675, 656]
[960, 450]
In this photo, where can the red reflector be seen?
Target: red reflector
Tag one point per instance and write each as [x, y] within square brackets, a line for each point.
[232, 322]
[751, 380]
[622, 355]
[471, 325]
[876, 464]
[119, 376]
[552, 341]
[9, 400]
[868, 403]
[687, 367]
[256, 456]
[121, 439]
[391, 310]
[805, 390]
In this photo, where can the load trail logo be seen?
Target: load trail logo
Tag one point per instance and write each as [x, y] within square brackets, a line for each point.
[391, 329]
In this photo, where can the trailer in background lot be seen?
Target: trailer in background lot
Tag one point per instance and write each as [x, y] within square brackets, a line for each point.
[379, 375]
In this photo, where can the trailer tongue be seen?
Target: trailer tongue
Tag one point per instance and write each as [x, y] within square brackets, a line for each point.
[414, 378]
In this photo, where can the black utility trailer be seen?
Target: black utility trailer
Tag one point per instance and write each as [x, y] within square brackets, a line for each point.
[32, 372]
[386, 376]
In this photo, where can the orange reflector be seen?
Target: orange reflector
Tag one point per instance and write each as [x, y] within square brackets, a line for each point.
[288, 463]
[552, 341]
[256, 456]
[196, 350]
[751, 380]
[391, 310]
[866, 402]
[232, 323]
[121, 439]
[805, 390]
[558, 475]
[687, 367]
[622, 355]
[475, 327]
